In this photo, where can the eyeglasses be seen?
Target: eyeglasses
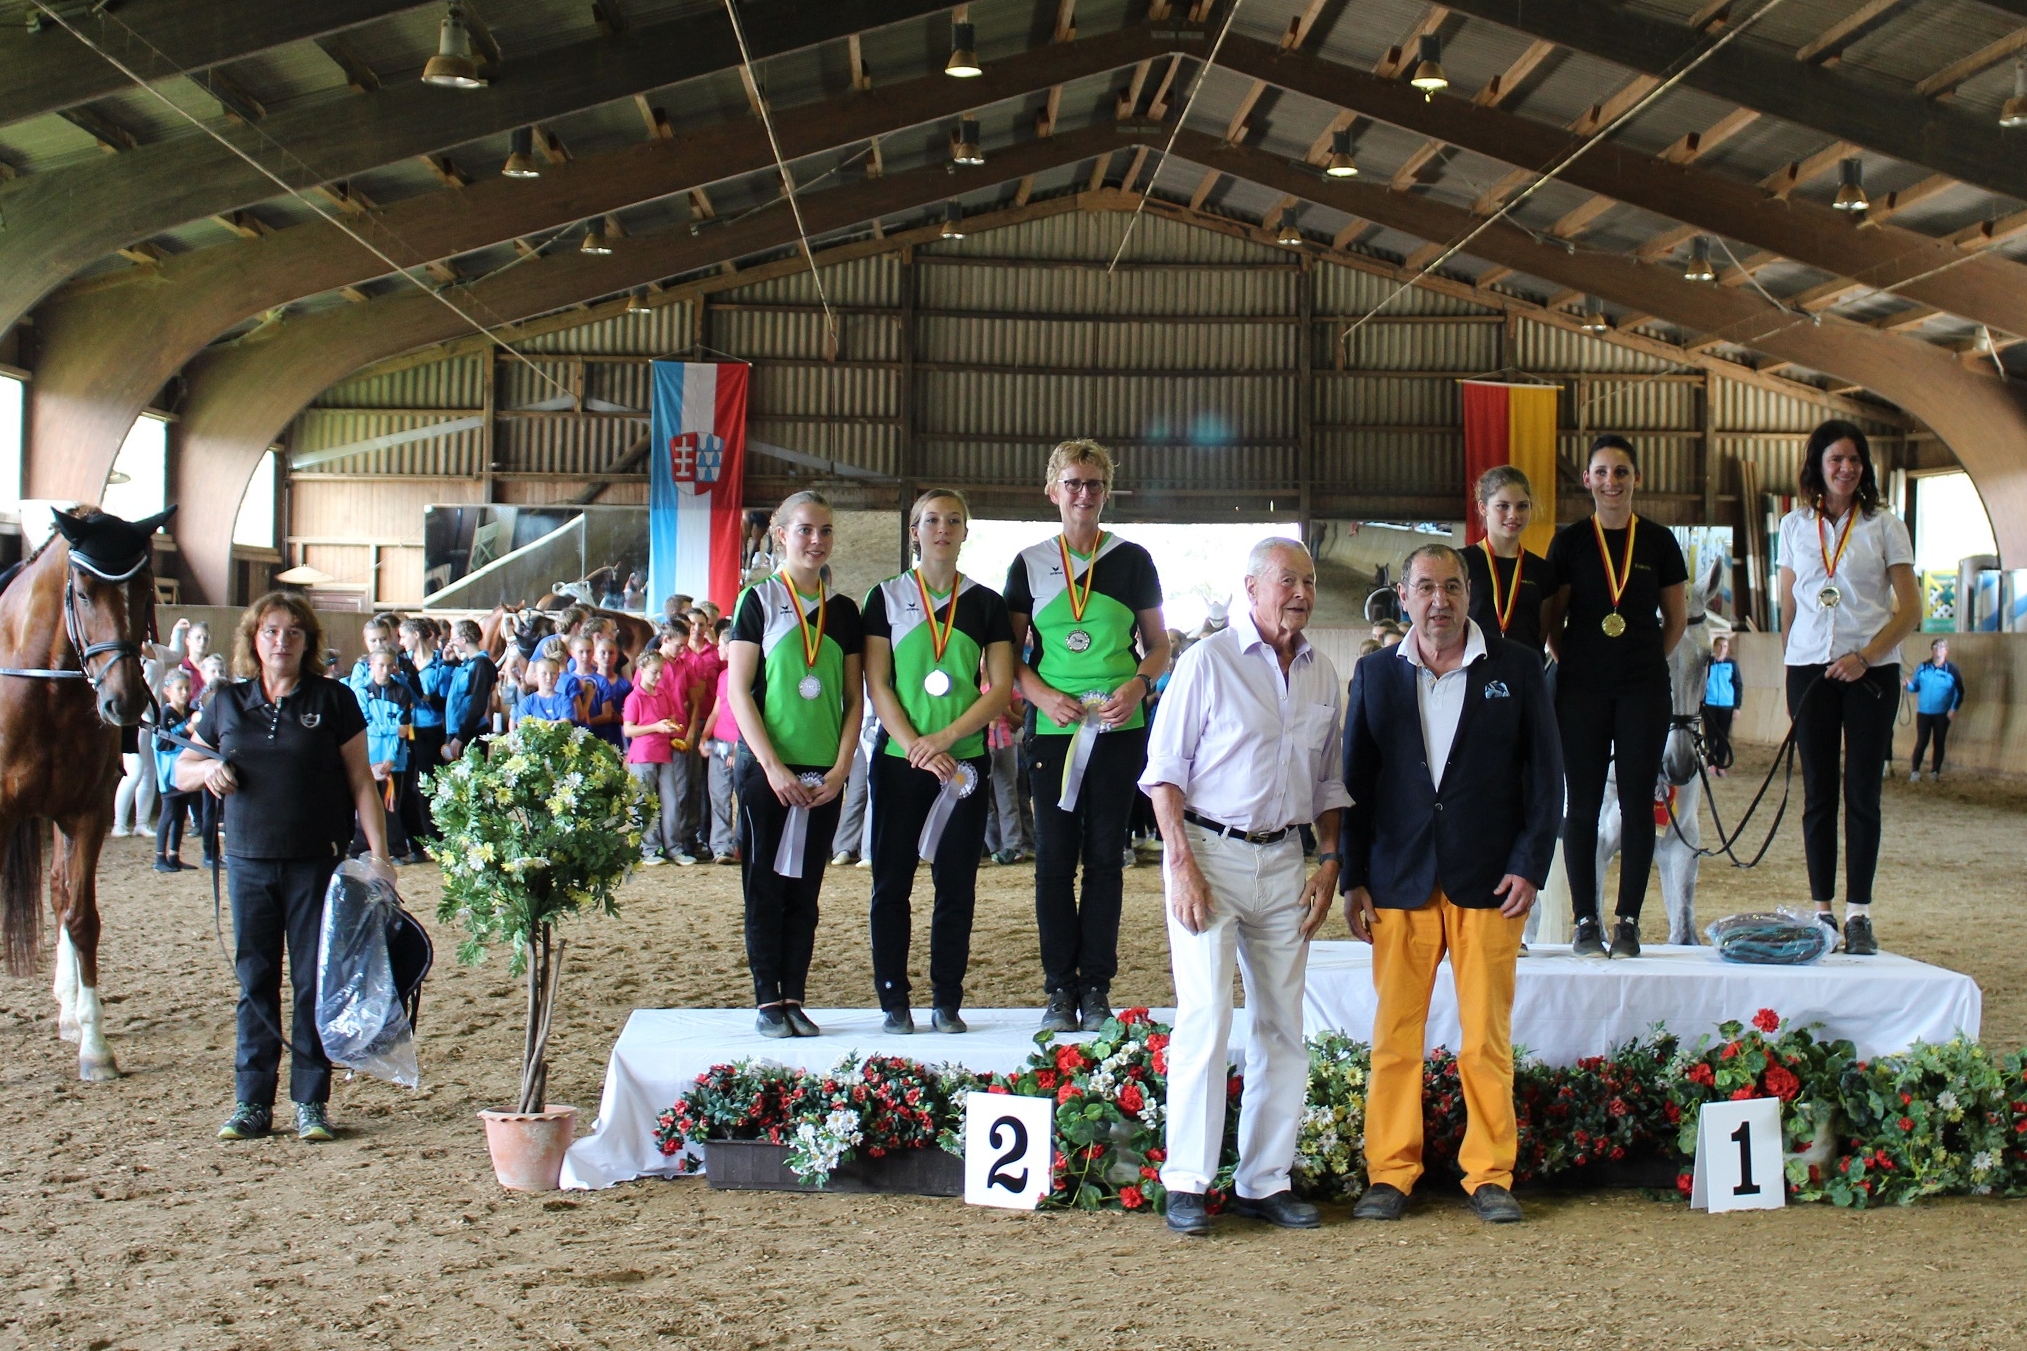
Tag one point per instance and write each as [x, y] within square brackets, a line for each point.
[1072, 487]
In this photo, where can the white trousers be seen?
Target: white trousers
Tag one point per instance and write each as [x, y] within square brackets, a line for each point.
[1256, 895]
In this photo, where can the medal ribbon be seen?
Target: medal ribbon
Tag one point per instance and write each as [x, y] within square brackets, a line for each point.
[1078, 602]
[812, 636]
[1615, 580]
[1503, 609]
[1830, 560]
[940, 639]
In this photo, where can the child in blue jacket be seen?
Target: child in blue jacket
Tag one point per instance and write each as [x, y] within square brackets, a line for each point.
[175, 715]
[389, 706]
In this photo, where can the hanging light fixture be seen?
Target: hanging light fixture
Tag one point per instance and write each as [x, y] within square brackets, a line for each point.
[1699, 268]
[596, 243]
[453, 66]
[1429, 76]
[963, 62]
[521, 158]
[1340, 164]
[964, 148]
[635, 304]
[953, 220]
[1288, 235]
[2014, 114]
[1851, 192]
[1595, 320]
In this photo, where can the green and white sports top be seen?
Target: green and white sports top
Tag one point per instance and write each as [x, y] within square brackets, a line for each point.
[1091, 652]
[935, 691]
[801, 695]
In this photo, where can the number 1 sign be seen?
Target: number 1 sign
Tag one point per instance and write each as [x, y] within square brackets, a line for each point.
[1007, 1152]
[1738, 1157]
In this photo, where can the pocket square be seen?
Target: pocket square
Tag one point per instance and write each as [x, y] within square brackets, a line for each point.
[1496, 689]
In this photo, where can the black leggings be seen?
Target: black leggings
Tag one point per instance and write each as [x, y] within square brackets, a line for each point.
[1080, 944]
[1631, 728]
[169, 824]
[780, 911]
[1717, 734]
[901, 797]
[1853, 719]
[1925, 726]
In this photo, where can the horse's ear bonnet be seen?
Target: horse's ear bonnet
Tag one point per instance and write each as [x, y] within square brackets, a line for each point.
[107, 546]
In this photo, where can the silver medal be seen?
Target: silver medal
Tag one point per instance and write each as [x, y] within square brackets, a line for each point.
[1077, 641]
[937, 683]
[809, 687]
[1830, 597]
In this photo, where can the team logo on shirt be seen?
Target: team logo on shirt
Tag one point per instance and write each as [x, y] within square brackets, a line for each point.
[310, 720]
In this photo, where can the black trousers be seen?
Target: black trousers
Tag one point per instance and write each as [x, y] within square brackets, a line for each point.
[207, 812]
[1717, 734]
[169, 823]
[1928, 725]
[1080, 944]
[780, 911]
[425, 756]
[278, 903]
[1854, 718]
[1631, 728]
[901, 798]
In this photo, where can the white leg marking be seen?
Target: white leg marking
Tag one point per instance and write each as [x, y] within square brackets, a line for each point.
[94, 1057]
[66, 986]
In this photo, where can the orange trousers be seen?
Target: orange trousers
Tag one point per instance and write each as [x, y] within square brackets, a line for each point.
[1407, 947]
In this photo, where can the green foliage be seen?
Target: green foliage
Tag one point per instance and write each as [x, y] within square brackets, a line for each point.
[1928, 1121]
[1771, 1059]
[548, 825]
[1330, 1146]
[745, 1100]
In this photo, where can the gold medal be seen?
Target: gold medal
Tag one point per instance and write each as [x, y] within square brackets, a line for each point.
[1831, 596]
[1503, 609]
[1614, 624]
[1616, 579]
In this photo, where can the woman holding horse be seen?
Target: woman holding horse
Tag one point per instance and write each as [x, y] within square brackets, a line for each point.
[291, 773]
[1509, 585]
[1618, 611]
[1848, 598]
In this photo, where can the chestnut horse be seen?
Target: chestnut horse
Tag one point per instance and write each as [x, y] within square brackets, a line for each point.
[74, 623]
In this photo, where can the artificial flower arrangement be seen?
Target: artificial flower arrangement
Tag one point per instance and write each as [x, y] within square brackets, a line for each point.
[745, 1100]
[1772, 1058]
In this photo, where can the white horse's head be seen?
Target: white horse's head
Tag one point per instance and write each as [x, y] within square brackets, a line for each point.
[1686, 666]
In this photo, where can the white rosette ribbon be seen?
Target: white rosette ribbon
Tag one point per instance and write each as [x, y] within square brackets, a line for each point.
[956, 788]
[1082, 742]
[795, 834]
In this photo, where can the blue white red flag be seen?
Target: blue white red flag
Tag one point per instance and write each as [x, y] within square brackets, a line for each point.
[696, 481]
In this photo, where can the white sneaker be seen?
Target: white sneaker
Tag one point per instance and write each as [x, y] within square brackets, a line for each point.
[682, 860]
[652, 860]
[843, 858]
[120, 834]
[1914, 777]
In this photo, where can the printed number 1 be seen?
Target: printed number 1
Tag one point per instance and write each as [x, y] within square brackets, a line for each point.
[1013, 1182]
[1743, 1136]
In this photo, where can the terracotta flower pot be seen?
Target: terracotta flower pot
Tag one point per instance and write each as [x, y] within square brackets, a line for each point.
[528, 1147]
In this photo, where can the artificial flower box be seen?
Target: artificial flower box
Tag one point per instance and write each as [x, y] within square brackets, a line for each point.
[758, 1165]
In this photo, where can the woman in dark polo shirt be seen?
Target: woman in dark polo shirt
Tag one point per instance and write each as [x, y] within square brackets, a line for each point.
[294, 772]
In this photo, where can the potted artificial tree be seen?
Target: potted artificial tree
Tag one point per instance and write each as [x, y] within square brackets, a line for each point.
[545, 826]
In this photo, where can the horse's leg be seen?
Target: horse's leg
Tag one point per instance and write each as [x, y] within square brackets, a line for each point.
[66, 984]
[75, 875]
[1609, 826]
[1680, 864]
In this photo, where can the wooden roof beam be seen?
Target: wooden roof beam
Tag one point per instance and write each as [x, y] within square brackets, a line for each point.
[1828, 46]
[1503, 86]
[1885, 208]
[1397, 59]
[1696, 144]
[655, 119]
[1781, 182]
[112, 138]
[232, 96]
[361, 77]
[1943, 84]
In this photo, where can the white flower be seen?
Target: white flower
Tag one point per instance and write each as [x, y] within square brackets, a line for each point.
[1984, 1161]
[1946, 1100]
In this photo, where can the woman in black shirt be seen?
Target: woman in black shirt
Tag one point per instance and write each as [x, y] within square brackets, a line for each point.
[293, 774]
[1619, 609]
[1509, 585]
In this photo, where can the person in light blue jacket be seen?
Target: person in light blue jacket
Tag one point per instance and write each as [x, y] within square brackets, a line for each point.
[1720, 703]
[389, 705]
[1938, 688]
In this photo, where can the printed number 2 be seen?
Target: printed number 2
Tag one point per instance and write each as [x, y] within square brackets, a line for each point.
[1013, 1182]
[1743, 1137]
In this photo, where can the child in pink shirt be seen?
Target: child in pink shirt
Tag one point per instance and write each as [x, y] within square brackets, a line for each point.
[723, 732]
[656, 721]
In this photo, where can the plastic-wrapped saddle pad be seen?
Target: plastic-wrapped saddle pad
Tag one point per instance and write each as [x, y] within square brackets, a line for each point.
[359, 1008]
[1771, 938]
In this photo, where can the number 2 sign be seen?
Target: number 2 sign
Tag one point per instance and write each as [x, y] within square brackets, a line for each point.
[1007, 1152]
[1738, 1157]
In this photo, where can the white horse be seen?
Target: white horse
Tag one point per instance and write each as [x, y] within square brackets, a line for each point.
[1676, 853]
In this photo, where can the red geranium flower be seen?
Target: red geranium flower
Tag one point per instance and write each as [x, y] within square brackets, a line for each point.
[1160, 1060]
[1766, 1020]
[1157, 1041]
[1684, 1182]
[1067, 1092]
[997, 1087]
[1157, 1155]
[1745, 1094]
[1134, 1015]
[1151, 1174]
[1701, 1073]
[1731, 1049]
[1045, 1079]
[1782, 1083]
[1131, 1098]
[1906, 1124]
[1069, 1059]
[1131, 1198]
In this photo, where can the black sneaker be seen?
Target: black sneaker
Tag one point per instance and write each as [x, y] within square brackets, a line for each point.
[1061, 1014]
[1382, 1201]
[804, 1025]
[1625, 942]
[1494, 1204]
[163, 865]
[1589, 940]
[772, 1022]
[313, 1123]
[1097, 1007]
[946, 1020]
[249, 1121]
[1187, 1215]
[1281, 1208]
[898, 1023]
[1858, 939]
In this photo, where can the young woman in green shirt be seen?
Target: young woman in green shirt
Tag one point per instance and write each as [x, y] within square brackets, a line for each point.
[794, 683]
[929, 632]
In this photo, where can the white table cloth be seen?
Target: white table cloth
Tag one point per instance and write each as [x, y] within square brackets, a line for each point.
[1565, 1008]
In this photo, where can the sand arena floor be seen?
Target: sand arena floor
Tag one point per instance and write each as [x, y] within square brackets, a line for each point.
[123, 1223]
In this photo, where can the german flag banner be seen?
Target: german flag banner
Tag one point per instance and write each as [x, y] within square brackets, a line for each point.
[1511, 424]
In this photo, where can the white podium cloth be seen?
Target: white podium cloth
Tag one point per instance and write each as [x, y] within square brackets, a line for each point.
[661, 1052]
[1565, 1008]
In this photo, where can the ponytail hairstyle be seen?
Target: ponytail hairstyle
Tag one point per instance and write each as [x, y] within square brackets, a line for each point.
[915, 512]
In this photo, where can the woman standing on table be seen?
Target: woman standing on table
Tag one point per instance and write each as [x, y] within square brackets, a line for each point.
[1088, 595]
[927, 633]
[795, 687]
[1848, 597]
[1509, 585]
[1619, 609]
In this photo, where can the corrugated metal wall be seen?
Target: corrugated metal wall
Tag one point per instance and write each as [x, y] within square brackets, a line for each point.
[1187, 359]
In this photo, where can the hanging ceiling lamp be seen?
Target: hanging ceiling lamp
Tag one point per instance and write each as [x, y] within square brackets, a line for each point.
[2014, 114]
[453, 66]
[963, 62]
[1851, 192]
[953, 220]
[1288, 234]
[635, 304]
[1341, 164]
[964, 147]
[1595, 320]
[596, 243]
[1699, 268]
[1429, 76]
[521, 158]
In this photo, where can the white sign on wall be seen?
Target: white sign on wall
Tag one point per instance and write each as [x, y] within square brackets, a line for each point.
[1008, 1153]
[1738, 1157]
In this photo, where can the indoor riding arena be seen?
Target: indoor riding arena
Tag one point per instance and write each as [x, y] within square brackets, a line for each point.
[867, 674]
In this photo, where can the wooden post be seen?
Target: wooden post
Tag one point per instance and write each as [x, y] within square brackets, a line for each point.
[908, 468]
[1712, 468]
[1305, 389]
[488, 464]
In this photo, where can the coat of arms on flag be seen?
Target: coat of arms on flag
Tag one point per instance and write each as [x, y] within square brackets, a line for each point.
[696, 480]
[696, 457]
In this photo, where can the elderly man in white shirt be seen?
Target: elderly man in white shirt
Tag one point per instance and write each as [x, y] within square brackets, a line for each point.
[1242, 755]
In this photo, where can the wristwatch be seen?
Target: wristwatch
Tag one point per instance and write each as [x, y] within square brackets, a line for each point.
[1332, 857]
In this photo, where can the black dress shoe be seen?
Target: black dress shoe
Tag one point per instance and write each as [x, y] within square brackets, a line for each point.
[800, 1022]
[946, 1020]
[1589, 940]
[1382, 1201]
[1858, 939]
[1097, 1007]
[1281, 1208]
[772, 1022]
[1626, 938]
[1494, 1204]
[898, 1023]
[1061, 1014]
[1186, 1214]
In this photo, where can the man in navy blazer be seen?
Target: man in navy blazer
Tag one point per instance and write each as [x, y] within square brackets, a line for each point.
[1454, 768]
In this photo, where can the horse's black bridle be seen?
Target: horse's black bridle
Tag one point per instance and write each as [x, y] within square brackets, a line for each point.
[119, 650]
